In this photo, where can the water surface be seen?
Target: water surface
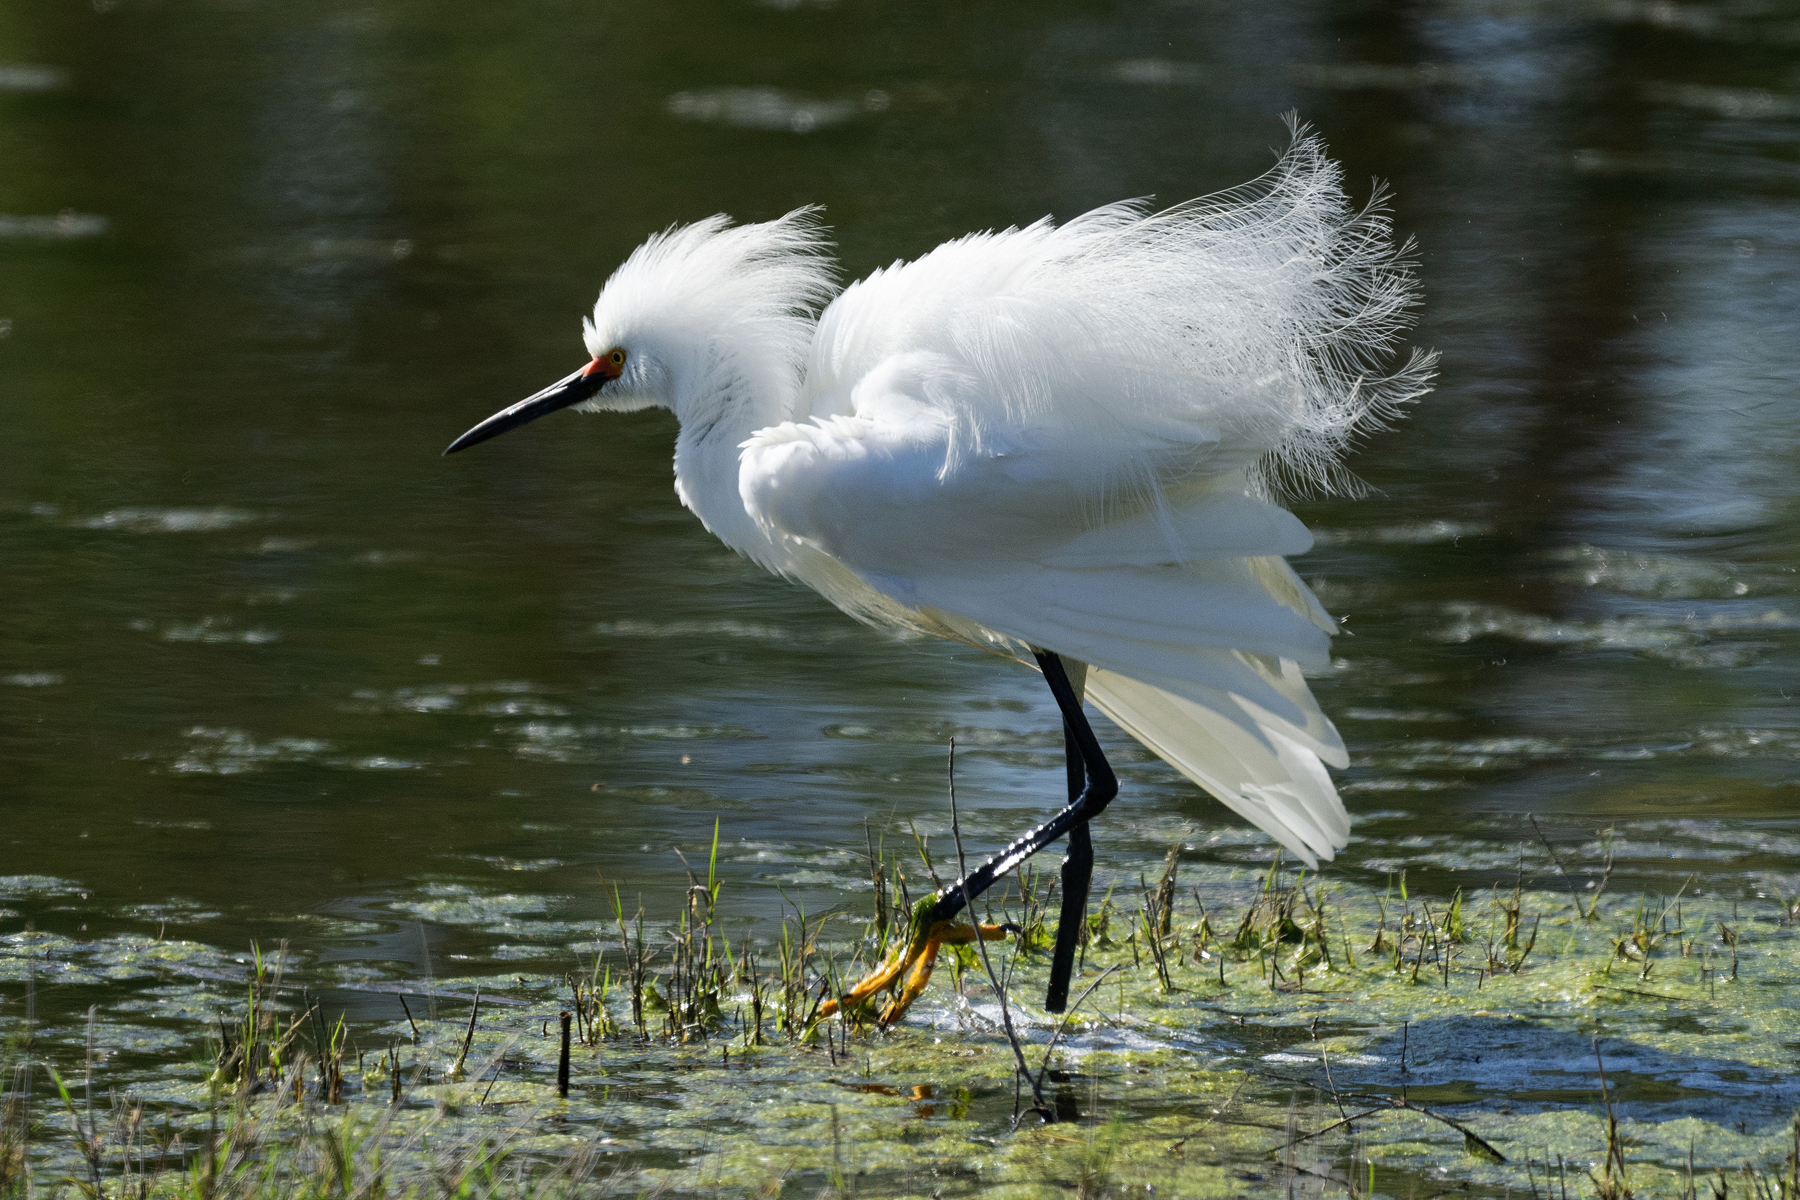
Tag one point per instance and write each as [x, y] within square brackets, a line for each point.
[270, 668]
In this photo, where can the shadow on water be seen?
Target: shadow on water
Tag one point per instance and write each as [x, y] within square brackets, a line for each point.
[1535, 1066]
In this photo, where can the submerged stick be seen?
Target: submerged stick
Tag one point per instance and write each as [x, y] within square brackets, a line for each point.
[1615, 1150]
[562, 1058]
[1388, 1104]
[469, 1037]
[407, 1009]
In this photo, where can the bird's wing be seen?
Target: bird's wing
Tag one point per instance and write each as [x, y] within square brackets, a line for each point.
[901, 486]
[1197, 651]
[1246, 328]
[1009, 391]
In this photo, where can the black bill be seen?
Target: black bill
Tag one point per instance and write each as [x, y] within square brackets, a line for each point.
[564, 392]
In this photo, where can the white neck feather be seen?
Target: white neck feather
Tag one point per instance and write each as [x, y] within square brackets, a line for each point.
[718, 411]
[716, 321]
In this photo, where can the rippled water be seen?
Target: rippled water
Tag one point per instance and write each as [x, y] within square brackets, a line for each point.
[269, 667]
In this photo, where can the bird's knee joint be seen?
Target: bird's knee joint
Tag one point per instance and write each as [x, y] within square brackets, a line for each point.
[1099, 794]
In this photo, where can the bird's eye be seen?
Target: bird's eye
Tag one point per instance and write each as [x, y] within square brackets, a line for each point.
[617, 357]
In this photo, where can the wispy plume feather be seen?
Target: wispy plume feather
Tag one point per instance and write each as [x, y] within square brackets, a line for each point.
[1247, 329]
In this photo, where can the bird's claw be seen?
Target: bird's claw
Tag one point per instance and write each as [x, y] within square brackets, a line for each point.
[911, 966]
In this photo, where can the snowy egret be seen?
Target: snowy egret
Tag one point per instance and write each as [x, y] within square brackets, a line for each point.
[1059, 443]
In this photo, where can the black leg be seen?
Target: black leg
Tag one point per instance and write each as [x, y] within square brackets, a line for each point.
[1072, 764]
[1077, 876]
[1092, 788]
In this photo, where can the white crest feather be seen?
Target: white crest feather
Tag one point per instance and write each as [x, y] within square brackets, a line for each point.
[724, 307]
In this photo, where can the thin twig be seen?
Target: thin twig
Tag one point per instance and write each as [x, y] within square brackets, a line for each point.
[1380, 1102]
[1325, 1059]
[1557, 859]
[498, 1062]
[469, 1037]
[1175, 1146]
[1614, 1150]
[1384, 1103]
[1487, 1146]
[1063, 1027]
[1367, 1112]
[962, 869]
[407, 1009]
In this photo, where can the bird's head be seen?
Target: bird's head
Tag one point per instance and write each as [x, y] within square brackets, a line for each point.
[695, 316]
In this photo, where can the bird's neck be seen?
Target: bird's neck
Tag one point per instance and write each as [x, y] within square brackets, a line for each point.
[715, 421]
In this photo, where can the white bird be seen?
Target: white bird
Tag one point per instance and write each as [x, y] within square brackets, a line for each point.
[1058, 443]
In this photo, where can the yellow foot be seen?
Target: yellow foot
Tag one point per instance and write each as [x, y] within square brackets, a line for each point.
[915, 962]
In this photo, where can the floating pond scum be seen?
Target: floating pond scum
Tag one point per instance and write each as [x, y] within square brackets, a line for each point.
[1244, 1030]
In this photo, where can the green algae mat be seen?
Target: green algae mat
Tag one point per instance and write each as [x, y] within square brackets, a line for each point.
[1243, 1029]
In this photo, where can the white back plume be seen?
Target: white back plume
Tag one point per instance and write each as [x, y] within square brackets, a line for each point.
[1244, 328]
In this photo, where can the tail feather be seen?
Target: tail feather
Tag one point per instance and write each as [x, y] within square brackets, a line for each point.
[1276, 782]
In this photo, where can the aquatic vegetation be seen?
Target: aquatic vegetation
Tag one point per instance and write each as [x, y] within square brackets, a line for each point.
[1240, 1029]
